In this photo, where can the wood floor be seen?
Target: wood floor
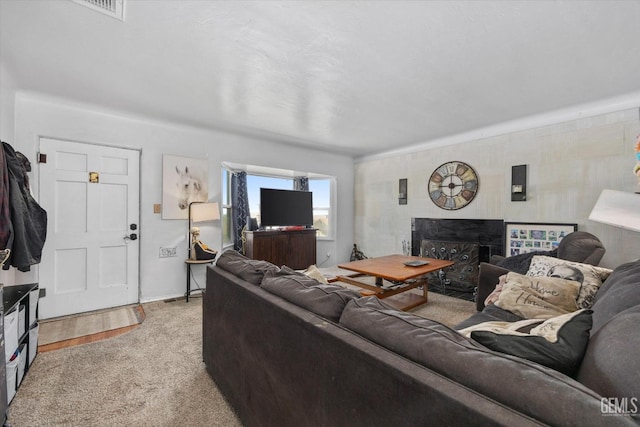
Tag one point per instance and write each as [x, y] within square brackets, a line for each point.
[91, 338]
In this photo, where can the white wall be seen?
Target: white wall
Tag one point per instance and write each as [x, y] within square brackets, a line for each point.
[569, 164]
[38, 116]
[7, 118]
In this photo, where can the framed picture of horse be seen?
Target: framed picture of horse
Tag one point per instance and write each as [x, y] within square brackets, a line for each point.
[184, 180]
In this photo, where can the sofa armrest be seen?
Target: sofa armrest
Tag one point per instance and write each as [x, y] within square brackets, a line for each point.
[488, 278]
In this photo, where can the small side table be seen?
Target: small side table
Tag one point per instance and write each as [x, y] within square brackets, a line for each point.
[189, 263]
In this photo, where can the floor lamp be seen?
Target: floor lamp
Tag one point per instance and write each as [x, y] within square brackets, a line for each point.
[200, 212]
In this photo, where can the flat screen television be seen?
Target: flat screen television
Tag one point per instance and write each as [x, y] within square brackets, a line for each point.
[285, 208]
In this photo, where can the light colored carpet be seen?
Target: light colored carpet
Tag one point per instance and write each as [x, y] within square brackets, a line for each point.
[444, 309]
[151, 376]
[68, 327]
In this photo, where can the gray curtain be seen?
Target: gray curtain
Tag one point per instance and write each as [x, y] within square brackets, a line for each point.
[301, 183]
[240, 202]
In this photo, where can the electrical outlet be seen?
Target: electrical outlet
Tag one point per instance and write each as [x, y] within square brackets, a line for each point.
[328, 254]
[168, 252]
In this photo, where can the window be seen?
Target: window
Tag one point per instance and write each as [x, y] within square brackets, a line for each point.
[259, 177]
[321, 189]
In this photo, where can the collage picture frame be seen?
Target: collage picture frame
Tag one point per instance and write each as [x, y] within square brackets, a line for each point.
[524, 237]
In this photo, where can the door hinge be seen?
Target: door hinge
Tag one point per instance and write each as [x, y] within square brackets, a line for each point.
[42, 158]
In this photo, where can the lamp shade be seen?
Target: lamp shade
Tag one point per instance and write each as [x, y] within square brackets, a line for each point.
[206, 211]
[617, 208]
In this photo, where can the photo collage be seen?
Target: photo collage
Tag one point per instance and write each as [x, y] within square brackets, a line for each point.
[527, 237]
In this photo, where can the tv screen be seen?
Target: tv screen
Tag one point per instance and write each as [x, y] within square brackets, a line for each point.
[285, 207]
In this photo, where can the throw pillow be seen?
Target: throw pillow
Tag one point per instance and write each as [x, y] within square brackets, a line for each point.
[520, 263]
[314, 273]
[502, 327]
[324, 300]
[589, 276]
[493, 296]
[538, 297]
[558, 343]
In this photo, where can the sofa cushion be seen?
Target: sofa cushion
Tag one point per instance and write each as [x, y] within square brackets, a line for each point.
[325, 300]
[517, 383]
[589, 276]
[247, 269]
[538, 297]
[618, 293]
[611, 363]
[581, 246]
[559, 342]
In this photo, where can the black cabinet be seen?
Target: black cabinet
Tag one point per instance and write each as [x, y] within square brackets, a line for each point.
[19, 337]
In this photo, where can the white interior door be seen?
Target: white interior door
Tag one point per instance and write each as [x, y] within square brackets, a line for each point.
[90, 259]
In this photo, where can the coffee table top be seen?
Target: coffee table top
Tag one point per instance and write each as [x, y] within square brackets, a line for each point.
[392, 267]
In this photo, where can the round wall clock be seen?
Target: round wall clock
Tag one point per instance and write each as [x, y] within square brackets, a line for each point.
[453, 185]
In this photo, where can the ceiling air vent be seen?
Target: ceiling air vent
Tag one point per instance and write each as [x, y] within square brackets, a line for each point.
[112, 8]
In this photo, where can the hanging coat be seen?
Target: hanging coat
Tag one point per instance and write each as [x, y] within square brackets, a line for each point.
[6, 230]
[27, 218]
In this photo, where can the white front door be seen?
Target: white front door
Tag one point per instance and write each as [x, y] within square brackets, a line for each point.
[90, 258]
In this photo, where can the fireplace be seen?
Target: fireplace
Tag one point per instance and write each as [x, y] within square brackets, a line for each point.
[468, 242]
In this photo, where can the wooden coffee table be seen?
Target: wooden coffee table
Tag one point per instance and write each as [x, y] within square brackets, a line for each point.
[402, 278]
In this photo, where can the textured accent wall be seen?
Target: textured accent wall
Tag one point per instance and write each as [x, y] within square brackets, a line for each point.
[569, 164]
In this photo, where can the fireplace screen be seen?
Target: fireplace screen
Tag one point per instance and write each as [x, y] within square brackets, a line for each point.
[459, 280]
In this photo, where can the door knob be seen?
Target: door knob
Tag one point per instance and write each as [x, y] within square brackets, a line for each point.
[132, 236]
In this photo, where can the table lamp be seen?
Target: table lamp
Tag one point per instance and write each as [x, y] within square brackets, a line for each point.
[617, 208]
[201, 212]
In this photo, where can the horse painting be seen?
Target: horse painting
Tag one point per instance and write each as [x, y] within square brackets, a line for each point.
[189, 188]
[184, 180]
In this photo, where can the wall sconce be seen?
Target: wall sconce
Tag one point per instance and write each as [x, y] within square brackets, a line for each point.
[519, 183]
[402, 192]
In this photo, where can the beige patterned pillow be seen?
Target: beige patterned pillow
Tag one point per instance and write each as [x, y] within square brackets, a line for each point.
[314, 273]
[538, 297]
[589, 276]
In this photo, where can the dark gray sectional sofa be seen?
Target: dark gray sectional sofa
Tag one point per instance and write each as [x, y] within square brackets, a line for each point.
[287, 351]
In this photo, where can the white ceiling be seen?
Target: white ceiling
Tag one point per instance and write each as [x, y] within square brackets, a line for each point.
[356, 77]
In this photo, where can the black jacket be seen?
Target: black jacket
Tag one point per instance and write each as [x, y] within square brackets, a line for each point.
[27, 221]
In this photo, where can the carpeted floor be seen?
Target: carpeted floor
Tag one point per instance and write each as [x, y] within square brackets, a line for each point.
[151, 376]
[445, 309]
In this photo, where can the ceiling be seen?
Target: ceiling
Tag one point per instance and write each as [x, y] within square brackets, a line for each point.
[353, 77]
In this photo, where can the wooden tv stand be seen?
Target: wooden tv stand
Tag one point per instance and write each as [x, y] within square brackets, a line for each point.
[293, 248]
